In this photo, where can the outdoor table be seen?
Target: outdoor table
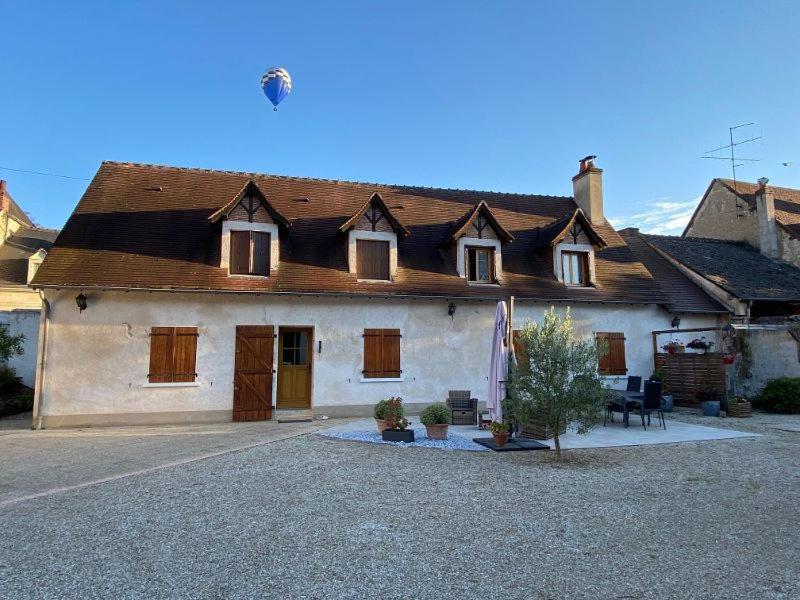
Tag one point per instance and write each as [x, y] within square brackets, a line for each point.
[629, 398]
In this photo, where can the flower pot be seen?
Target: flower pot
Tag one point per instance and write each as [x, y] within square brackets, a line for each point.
[398, 435]
[437, 431]
[381, 425]
[728, 360]
[740, 410]
[666, 403]
[671, 350]
[500, 439]
[711, 408]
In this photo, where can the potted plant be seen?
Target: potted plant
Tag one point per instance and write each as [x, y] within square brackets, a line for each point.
[499, 433]
[380, 414]
[666, 397]
[740, 408]
[700, 345]
[710, 403]
[673, 346]
[396, 429]
[436, 419]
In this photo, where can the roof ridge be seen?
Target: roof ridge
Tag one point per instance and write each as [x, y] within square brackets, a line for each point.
[323, 179]
[696, 239]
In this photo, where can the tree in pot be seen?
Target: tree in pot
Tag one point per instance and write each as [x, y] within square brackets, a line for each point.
[558, 379]
[499, 433]
[436, 419]
[396, 429]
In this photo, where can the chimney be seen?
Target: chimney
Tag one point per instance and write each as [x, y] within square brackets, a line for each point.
[587, 188]
[767, 228]
[3, 195]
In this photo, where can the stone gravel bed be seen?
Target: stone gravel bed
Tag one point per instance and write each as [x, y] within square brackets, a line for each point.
[312, 517]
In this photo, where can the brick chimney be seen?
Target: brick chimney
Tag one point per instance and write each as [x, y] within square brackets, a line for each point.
[767, 227]
[587, 188]
[4, 203]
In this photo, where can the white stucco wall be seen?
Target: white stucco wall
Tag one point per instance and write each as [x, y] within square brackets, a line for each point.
[96, 362]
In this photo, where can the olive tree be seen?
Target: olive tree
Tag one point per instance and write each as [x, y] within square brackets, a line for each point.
[555, 377]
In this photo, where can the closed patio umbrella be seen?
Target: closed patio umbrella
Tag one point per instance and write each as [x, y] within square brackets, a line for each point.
[498, 367]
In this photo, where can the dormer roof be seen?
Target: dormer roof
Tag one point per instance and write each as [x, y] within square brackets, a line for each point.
[375, 200]
[570, 224]
[250, 188]
[481, 209]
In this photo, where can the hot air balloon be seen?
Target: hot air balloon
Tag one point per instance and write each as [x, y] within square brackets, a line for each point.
[276, 84]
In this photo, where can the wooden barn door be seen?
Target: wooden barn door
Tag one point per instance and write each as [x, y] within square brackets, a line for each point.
[252, 383]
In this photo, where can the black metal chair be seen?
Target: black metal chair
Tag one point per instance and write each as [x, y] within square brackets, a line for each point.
[613, 403]
[651, 403]
[634, 384]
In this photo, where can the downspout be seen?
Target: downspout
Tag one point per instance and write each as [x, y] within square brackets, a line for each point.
[40, 354]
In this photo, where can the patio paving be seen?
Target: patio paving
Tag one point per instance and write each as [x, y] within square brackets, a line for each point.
[609, 436]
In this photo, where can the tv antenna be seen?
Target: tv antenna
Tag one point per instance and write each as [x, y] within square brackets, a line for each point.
[736, 161]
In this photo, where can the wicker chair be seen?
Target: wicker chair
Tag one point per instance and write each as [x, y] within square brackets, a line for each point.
[464, 409]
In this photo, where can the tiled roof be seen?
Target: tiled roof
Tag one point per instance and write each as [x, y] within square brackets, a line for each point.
[15, 252]
[734, 266]
[787, 202]
[125, 234]
[684, 295]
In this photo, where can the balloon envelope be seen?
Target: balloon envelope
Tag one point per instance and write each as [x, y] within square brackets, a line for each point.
[276, 84]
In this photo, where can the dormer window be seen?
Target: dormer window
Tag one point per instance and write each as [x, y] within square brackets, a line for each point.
[250, 233]
[372, 235]
[480, 265]
[249, 253]
[575, 268]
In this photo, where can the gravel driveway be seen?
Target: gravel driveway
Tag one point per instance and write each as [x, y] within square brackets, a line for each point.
[313, 517]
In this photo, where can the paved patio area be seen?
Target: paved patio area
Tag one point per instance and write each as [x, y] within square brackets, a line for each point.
[266, 510]
[609, 436]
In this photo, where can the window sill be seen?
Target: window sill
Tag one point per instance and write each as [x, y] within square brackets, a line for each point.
[381, 379]
[374, 281]
[178, 384]
[243, 276]
[484, 283]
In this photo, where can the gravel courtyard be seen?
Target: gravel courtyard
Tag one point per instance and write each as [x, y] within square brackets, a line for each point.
[314, 517]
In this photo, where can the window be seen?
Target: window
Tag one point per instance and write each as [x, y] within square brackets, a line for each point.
[382, 353]
[480, 265]
[372, 258]
[575, 268]
[173, 351]
[249, 253]
[613, 362]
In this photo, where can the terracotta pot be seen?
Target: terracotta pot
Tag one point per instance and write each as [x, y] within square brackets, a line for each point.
[381, 425]
[437, 432]
[500, 439]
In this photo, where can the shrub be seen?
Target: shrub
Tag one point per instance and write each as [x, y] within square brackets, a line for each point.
[18, 403]
[380, 409]
[10, 345]
[9, 382]
[499, 427]
[435, 414]
[781, 395]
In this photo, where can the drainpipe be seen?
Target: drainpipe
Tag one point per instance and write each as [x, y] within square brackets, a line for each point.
[44, 318]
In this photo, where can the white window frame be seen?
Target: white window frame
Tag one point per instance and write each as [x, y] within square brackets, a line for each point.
[381, 236]
[274, 244]
[461, 266]
[587, 249]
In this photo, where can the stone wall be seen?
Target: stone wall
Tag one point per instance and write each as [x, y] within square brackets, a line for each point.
[718, 218]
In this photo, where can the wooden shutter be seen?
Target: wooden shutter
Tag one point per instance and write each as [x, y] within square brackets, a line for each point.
[260, 253]
[372, 259]
[382, 353]
[173, 354]
[161, 340]
[613, 362]
[240, 252]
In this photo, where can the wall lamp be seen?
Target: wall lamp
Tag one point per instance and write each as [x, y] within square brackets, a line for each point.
[451, 311]
[80, 300]
[676, 322]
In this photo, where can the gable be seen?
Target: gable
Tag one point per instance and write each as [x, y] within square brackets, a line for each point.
[251, 210]
[481, 229]
[480, 223]
[374, 219]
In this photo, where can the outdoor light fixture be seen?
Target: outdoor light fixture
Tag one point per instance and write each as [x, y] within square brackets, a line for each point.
[676, 322]
[80, 300]
[451, 311]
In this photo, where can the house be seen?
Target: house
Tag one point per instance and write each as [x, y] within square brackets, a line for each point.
[764, 216]
[185, 295]
[761, 294]
[23, 247]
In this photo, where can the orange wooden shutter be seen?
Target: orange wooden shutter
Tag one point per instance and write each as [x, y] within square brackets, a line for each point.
[184, 354]
[260, 253]
[372, 259]
[391, 353]
[381, 353]
[613, 362]
[160, 355]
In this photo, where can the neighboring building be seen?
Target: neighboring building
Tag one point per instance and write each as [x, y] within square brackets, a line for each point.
[761, 293]
[23, 247]
[196, 295]
[764, 216]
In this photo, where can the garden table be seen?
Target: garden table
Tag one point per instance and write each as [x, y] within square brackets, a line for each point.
[628, 399]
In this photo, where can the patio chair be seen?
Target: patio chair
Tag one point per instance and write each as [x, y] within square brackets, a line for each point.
[613, 403]
[634, 384]
[464, 409]
[651, 403]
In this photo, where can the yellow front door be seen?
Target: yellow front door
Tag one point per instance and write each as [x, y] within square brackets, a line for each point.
[294, 367]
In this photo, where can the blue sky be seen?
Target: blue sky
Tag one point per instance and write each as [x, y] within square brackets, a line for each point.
[504, 96]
